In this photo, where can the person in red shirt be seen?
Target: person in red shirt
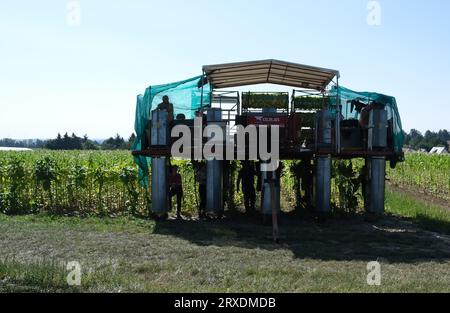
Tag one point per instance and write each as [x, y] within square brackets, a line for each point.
[176, 188]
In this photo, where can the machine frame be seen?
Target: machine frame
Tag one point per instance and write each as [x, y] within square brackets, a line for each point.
[308, 81]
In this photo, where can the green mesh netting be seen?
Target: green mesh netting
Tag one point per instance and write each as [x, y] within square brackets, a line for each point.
[390, 103]
[186, 97]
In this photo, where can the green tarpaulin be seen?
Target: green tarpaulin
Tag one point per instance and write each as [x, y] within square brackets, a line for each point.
[390, 103]
[186, 97]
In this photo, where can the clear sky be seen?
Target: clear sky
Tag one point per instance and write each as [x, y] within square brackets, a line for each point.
[58, 77]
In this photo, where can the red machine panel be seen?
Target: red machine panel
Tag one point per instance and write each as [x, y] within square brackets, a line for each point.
[281, 121]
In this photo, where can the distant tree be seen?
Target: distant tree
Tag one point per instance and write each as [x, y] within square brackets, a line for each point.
[26, 143]
[431, 139]
[114, 143]
[65, 143]
[89, 144]
[444, 136]
[407, 138]
[76, 142]
[415, 138]
[39, 144]
[131, 141]
[8, 142]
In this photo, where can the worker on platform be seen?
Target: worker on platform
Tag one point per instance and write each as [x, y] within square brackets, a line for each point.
[364, 119]
[247, 175]
[365, 113]
[202, 115]
[175, 189]
[166, 105]
[200, 178]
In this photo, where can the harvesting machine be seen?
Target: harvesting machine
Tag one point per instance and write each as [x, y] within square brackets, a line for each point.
[317, 122]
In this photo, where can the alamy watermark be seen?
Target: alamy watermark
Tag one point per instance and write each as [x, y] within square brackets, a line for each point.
[74, 276]
[374, 275]
[73, 14]
[374, 13]
[220, 138]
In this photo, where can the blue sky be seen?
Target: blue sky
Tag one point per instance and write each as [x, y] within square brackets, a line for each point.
[84, 79]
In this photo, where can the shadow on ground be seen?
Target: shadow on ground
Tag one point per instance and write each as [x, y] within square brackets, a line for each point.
[392, 239]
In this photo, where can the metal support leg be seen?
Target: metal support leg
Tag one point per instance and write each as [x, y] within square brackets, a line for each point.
[214, 186]
[323, 184]
[214, 171]
[376, 185]
[267, 197]
[159, 186]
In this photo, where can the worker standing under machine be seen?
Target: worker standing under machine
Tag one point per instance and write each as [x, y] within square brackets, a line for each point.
[176, 189]
[200, 177]
[247, 175]
[306, 176]
[166, 105]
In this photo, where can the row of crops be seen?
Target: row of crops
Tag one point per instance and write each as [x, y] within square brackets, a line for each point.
[425, 173]
[280, 100]
[69, 182]
[258, 100]
[82, 183]
[106, 183]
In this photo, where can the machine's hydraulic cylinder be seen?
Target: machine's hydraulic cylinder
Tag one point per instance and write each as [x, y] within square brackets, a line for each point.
[323, 184]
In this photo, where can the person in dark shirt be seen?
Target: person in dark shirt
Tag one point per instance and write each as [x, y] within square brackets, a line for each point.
[365, 113]
[166, 105]
[203, 116]
[247, 175]
[176, 188]
[200, 178]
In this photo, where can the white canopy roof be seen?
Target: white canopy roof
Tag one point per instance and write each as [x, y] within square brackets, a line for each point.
[269, 71]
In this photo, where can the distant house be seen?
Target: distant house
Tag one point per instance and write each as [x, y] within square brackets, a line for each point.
[408, 150]
[438, 150]
[14, 149]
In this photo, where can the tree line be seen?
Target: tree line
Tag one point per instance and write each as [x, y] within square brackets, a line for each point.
[416, 140]
[72, 142]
